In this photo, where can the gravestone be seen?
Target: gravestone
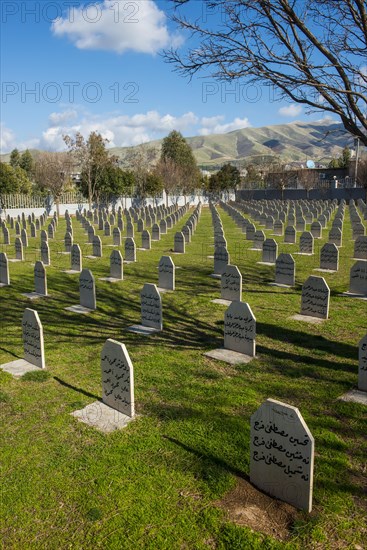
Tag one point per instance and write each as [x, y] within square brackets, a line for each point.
[33, 338]
[51, 231]
[87, 290]
[17, 228]
[130, 250]
[6, 235]
[107, 229]
[151, 307]
[40, 279]
[285, 270]
[163, 227]
[300, 224]
[68, 241]
[97, 246]
[140, 225]
[45, 253]
[116, 236]
[18, 249]
[117, 378]
[76, 258]
[166, 273]
[4, 270]
[270, 251]
[240, 329]
[316, 230]
[306, 243]
[33, 230]
[179, 243]
[156, 234]
[282, 454]
[315, 298]
[129, 230]
[91, 234]
[290, 234]
[278, 227]
[329, 257]
[335, 236]
[250, 232]
[231, 284]
[145, 240]
[259, 238]
[116, 265]
[360, 248]
[362, 364]
[44, 237]
[221, 260]
[358, 278]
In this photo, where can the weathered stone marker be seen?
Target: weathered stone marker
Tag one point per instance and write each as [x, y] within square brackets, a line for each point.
[40, 279]
[166, 273]
[179, 243]
[240, 329]
[4, 270]
[130, 250]
[282, 454]
[285, 270]
[329, 257]
[151, 307]
[87, 289]
[358, 278]
[231, 284]
[33, 338]
[315, 298]
[116, 265]
[117, 378]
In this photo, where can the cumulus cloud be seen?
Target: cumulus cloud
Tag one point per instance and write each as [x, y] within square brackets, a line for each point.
[213, 125]
[7, 139]
[59, 118]
[291, 110]
[118, 26]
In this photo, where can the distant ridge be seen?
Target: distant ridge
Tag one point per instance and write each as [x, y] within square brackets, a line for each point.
[296, 141]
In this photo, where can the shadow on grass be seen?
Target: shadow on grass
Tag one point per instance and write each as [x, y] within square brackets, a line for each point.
[74, 388]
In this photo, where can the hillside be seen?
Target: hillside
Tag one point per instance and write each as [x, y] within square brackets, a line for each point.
[297, 141]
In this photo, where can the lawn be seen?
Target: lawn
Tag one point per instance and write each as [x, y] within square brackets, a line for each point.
[159, 483]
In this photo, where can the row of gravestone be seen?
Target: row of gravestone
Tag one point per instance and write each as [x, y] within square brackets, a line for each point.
[281, 445]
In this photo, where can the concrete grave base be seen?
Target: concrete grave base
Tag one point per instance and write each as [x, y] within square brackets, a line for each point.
[3, 284]
[303, 254]
[210, 257]
[215, 276]
[229, 356]
[110, 279]
[325, 270]
[19, 367]
[356, 396]
[143, 249]
[14, 260]
[63, 253]
[34, 295]
[221, 302]
[255, 249]
[163, 290]
[307, 319]
[72, 271]
[128, 262]
[352, 295]
[93, 257]
[141, 329]
[280, 285]
[265, 263]
[102, 417]
[79, 309]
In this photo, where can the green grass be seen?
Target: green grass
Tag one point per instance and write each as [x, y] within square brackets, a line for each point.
[153, 484]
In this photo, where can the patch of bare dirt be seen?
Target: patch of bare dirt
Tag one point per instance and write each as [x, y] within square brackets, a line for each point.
[245, 505]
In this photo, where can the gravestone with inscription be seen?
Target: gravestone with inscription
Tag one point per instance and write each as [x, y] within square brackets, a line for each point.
[116, 236]
[329, 257]
[360, 248]
[270, 251]
[315, 298]
[335, 236]
[282, 454]
[18, 249]
[285, 270]
[116, 265]
[179, 243]
[166, 273]
[156, 233]
[306, 243]
[117, 378]
[259, 238]
[240, 329]
[97, 246]
[40, 279]
[4, 270]
[45, 253]
[145, 240]
[68, 241]
[231, 284]
[358, 278]
[87, 289]
[151, 307]
[33, 338]
[221, 260]
[76, 258]
[290, 235]
[130, 250]
[362, 364]
[316, 230]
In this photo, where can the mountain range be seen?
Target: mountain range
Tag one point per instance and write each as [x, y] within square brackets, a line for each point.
[294, 142]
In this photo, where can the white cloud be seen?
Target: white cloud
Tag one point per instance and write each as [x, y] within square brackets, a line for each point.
[291, 110]
[212, 125]
[118, 26]
[58, 118]
[7, 139]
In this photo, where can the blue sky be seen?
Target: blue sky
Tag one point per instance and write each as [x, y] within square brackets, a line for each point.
[77, 65]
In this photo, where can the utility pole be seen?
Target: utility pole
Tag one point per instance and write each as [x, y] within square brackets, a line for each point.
[356, 144]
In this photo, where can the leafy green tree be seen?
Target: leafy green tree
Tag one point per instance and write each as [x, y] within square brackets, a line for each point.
[13, 180]
[14, 158]
[52, 174]
[114, 182]
[228, 178]
[27, 163]
[343, 161]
